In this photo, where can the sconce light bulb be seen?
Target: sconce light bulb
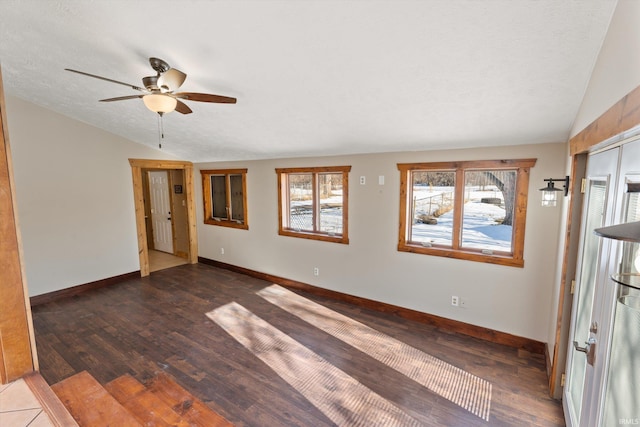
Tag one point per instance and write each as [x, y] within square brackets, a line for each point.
[549, 198]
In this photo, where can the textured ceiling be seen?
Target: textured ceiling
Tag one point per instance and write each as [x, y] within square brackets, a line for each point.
[313, 77]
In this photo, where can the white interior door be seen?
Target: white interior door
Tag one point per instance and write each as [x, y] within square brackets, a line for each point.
[161, 211]
[584, 355]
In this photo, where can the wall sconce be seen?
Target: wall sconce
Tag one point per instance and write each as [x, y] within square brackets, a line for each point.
[550, 192]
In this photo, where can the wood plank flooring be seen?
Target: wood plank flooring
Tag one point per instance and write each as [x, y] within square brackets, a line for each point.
[158, 323]
[81, 390]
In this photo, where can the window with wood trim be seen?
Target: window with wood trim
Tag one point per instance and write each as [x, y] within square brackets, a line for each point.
[474, 210]
[313, 203]
[225, 197]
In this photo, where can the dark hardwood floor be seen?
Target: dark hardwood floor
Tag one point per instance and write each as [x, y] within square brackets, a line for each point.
[158, 323]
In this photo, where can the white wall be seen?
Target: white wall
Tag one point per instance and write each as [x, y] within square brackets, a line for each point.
[75, 198]
[617, 69]
[508, 299]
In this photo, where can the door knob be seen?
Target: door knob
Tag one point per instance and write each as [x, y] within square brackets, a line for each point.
[589, 349]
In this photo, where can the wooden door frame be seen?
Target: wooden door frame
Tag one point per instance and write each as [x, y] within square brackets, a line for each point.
[137, 165]
[18, 355]
[615, 125]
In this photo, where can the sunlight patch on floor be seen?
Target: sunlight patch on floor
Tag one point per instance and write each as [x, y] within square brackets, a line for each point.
[344, 400]
[454, 384]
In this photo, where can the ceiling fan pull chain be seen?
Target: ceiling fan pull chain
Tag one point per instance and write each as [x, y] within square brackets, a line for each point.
[160, 130]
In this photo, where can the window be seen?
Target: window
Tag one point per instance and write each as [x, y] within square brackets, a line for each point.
[225, 197]
[471, 210]
[312, 203]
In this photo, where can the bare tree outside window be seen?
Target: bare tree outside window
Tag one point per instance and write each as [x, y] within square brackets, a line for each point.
[469, 209]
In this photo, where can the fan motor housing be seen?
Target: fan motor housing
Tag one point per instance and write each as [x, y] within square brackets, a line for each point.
[159, 65]
[150, 82]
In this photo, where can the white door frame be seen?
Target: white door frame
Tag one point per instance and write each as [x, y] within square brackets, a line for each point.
[605, 292]
[605, 170]
[628, 166]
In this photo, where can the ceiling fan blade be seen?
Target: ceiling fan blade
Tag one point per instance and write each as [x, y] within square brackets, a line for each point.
[183, 108]
[205, 97]
[121, 98]
[106, 79]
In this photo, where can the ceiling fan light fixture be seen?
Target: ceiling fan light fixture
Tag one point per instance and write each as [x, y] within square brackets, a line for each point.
[159, 103]
[171, 80]
[158, 91]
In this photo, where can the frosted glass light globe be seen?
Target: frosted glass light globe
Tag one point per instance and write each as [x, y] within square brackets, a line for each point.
[159, 103]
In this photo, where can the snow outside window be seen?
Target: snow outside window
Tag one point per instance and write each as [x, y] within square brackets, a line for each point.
[469, 210]
[313, 203]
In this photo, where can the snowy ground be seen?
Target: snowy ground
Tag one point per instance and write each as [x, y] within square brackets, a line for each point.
[480, 229]
[330, 214]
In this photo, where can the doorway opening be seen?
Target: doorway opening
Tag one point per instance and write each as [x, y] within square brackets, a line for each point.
[165, 218]
[165, 213]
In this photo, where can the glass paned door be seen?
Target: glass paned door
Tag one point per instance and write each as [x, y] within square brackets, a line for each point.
[622, 398]
[622, 390]
[588, 275]
[591, 267]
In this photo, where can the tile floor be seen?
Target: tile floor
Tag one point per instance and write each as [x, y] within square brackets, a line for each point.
[20, 408]
[162, 260]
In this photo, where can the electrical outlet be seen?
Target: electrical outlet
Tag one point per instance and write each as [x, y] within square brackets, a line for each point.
[455, 301]
[363, 180]
[316, 271]
[221, 251]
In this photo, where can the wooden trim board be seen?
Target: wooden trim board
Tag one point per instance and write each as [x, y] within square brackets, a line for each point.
[621, 117]
[75, 290]
[138, 194]
[440, 322]
[51, 404]
[17, 342]
[569, 264]
[547, 360]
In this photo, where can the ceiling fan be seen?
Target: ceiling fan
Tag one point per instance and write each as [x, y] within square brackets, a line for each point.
[159, 92]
